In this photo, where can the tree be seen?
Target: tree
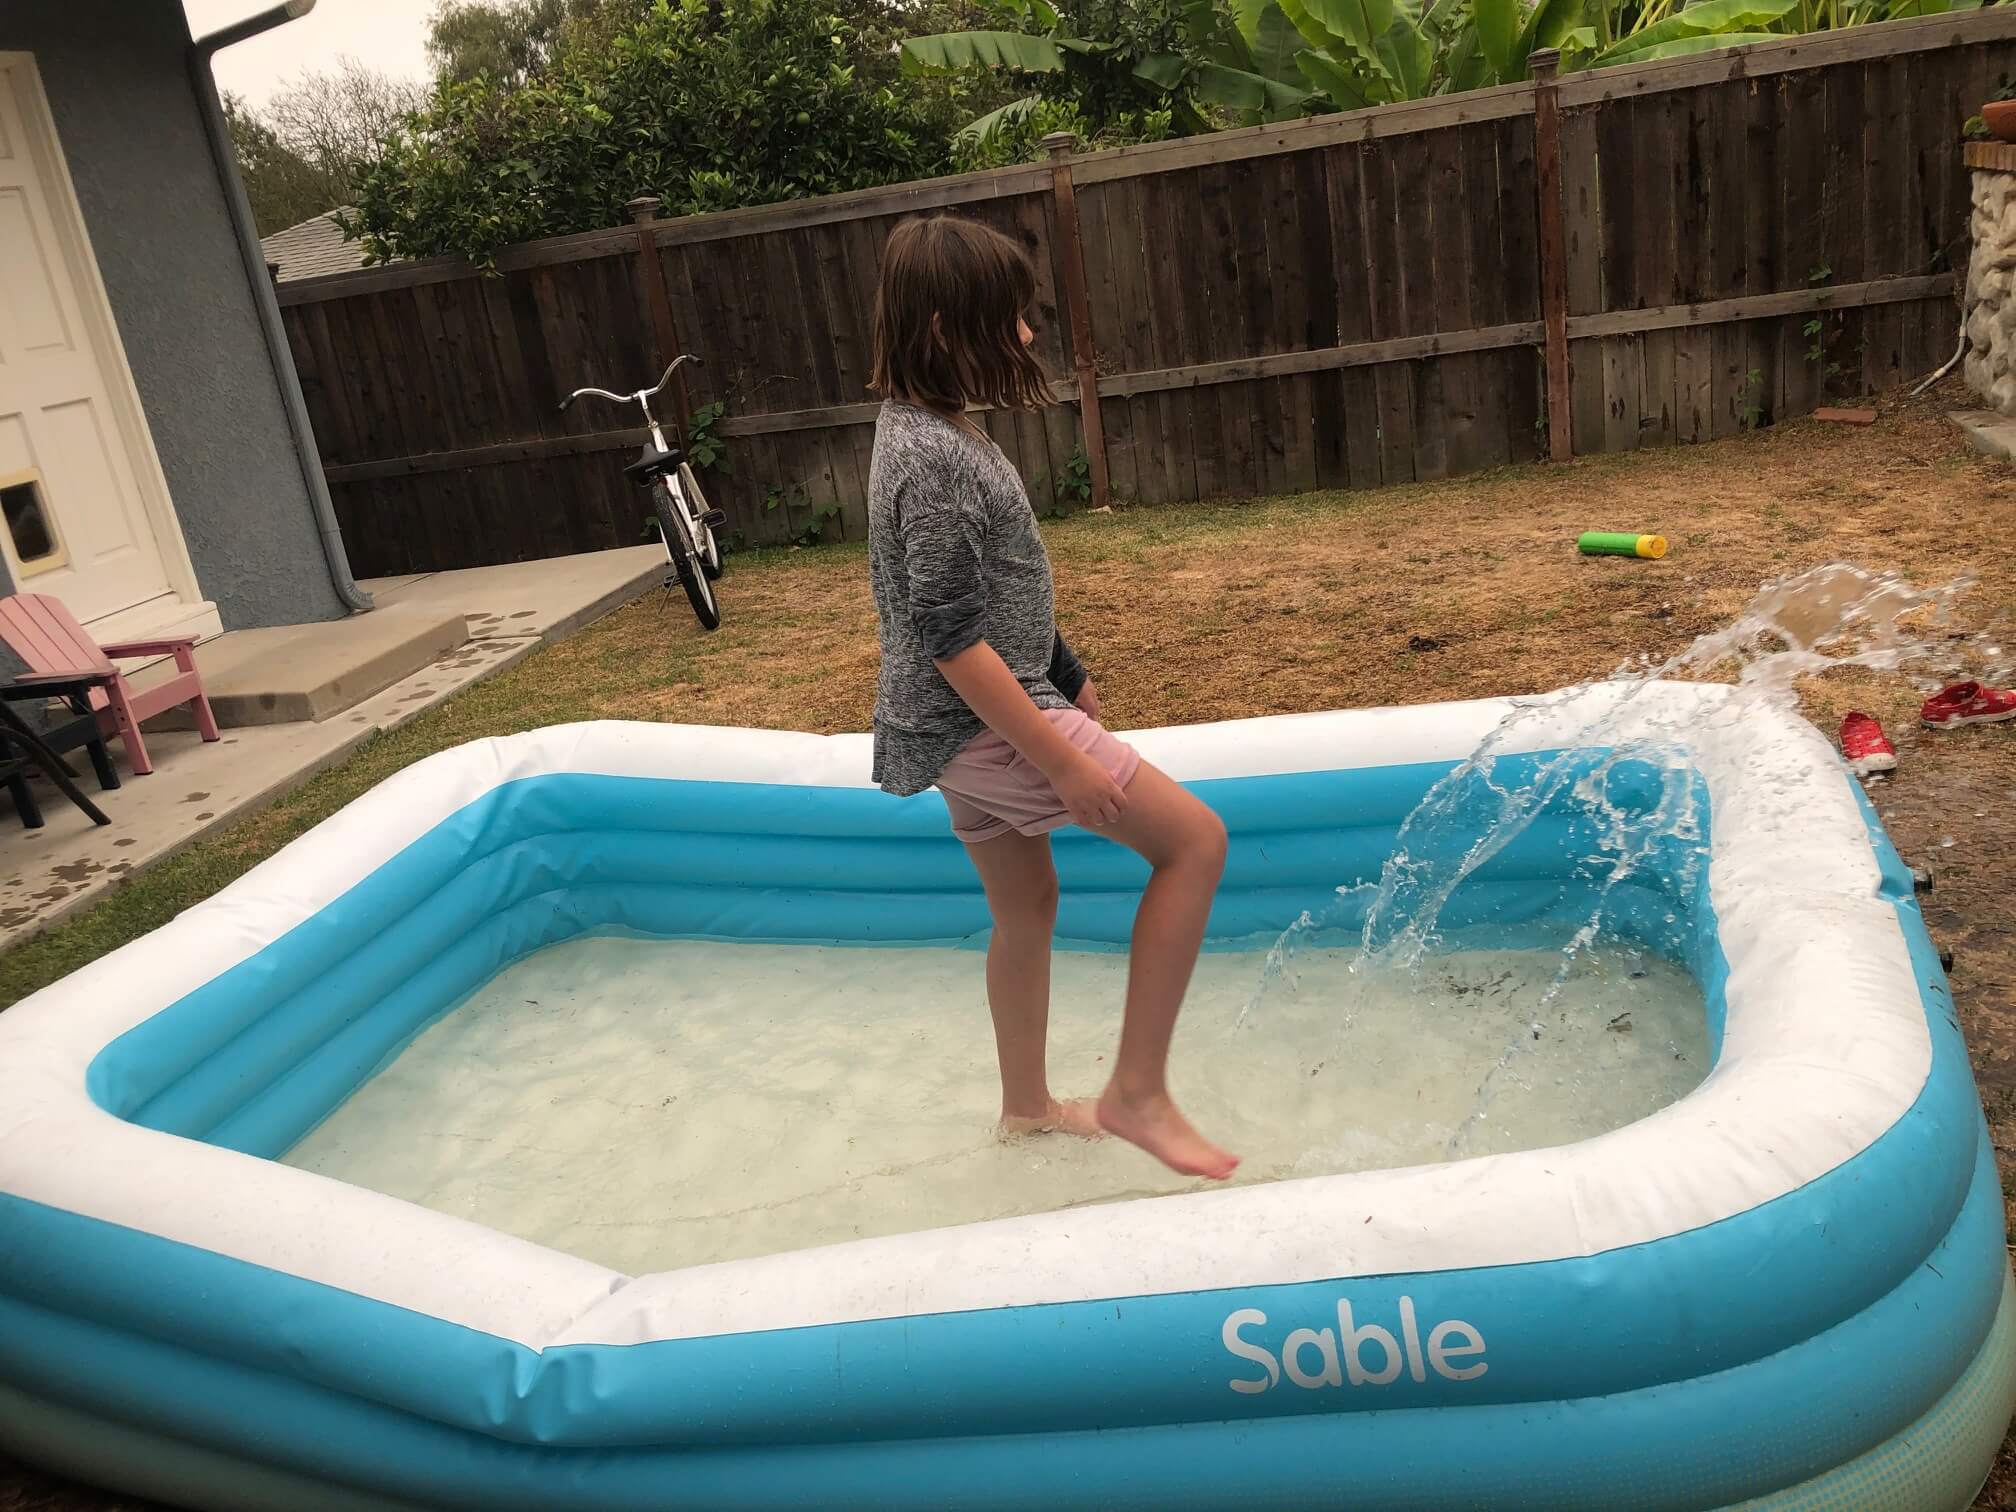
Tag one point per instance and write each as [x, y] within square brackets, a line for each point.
[302, 154]
[341, 119]
[284, 187]
[511, 40]
[515, 41]
[708, 104]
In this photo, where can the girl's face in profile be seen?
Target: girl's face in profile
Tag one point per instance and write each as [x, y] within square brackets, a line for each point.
[1023, 333]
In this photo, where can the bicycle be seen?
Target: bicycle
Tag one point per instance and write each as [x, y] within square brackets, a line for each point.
[685, 524]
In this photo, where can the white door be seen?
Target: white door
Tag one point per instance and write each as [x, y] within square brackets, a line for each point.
[80, 486]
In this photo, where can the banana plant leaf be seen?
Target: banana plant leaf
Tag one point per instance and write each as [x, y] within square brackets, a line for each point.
[1243, 90]
[1360, 23]
[1464, 65]
[1163, 70]
[1271, 39]
[1549, 23]
[949, 52]
[1345, 88]
[1498, 31]
[981, 127]
[1680, 47]
[1407, 54]
[1708, 18]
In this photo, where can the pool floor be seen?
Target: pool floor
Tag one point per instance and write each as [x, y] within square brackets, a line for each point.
[655, 1104]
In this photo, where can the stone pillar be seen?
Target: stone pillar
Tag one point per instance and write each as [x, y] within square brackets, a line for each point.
[1991, 276]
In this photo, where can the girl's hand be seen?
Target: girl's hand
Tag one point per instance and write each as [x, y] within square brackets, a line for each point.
[1089, 793]
[1088, 699]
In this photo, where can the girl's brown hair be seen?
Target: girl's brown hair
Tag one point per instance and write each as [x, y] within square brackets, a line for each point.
[945, 313]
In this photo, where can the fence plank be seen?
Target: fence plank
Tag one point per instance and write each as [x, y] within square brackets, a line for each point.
[972, 189]
[1109, 218]
[1617, 129]
[1382, 123]
[1464, 194]
[1727, 124]
[847, 327]
[1517, 218]
[344, 436]
[1070, 243]
[1583, 208]
[1694, 273]
[1352, 250]
[1168, 205]
[1492, 206]
[1886, 236]
[1931, 162]
[1213, 328]
[1660, 177]
[1393, 383]
[1583, 216]
[1299, 245]
[1880, 291]
[1258, 439]
[1120, 255]
[1802, 259]
[1261, 323]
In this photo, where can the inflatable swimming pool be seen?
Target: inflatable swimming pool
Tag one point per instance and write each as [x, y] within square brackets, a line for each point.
[1787, 1290]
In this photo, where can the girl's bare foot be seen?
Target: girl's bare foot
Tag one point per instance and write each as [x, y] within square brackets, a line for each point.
[1156, 1126]
[1077, 1115]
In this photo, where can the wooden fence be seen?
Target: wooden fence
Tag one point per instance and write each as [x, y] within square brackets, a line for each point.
[1590, 263]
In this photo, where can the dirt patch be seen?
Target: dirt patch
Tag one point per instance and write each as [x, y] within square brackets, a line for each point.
[1392, 597]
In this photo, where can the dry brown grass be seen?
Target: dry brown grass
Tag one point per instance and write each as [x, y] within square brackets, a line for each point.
[1331, 601]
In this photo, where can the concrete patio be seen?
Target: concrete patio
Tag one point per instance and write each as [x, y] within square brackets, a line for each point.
[510, 612]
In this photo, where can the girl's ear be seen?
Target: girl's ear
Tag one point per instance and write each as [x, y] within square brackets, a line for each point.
[937, 329]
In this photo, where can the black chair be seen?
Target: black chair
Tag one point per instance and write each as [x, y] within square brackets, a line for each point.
[23, 751]
[80, 731]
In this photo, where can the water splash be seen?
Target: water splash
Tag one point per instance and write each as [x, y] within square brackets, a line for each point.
[1623, 772]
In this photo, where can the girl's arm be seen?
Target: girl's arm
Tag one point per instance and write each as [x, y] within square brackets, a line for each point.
[944, 541]
[978, 675]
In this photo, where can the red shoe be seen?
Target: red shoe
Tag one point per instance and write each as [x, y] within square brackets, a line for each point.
[1968, 703]
[1865, 747]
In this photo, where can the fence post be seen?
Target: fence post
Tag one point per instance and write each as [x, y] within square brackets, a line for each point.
[644, 210]
[1545, 66]
[1060, 145]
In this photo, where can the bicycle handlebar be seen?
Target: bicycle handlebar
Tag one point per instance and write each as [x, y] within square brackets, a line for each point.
[642, 394]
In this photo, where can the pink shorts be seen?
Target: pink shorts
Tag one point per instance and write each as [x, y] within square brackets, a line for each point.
[992, 788]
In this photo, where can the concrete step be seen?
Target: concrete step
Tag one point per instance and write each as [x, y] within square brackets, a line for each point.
[1989, 433]
[290, 674]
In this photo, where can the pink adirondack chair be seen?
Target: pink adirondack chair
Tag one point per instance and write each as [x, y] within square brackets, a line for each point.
[46, 636]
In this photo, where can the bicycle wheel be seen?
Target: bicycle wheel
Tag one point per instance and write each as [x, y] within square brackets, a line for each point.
[696, 501]
[685, 560]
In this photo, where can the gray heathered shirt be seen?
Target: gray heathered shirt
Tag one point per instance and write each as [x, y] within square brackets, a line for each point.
[954, 559]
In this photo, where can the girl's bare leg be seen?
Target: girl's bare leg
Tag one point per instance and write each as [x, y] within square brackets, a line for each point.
[1021, 888]
[1185, 844]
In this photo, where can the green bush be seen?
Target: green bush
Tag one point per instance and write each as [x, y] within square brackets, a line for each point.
[709, 106]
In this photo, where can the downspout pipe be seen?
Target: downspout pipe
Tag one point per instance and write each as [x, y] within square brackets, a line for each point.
[264, 299]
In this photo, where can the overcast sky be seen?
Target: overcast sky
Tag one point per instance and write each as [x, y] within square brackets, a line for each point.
[386, 34]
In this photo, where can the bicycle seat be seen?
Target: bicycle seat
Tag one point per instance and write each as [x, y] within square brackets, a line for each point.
[651, 463]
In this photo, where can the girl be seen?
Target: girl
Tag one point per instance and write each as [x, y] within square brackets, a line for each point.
[979, 695]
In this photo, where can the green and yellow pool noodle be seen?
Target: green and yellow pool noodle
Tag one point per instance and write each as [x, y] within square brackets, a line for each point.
[1621, 543]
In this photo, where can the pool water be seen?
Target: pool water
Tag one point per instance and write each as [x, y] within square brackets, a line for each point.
[653, 1104]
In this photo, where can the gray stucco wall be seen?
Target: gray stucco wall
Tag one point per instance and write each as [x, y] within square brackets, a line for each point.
[117, 78]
